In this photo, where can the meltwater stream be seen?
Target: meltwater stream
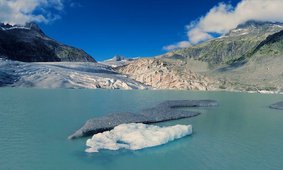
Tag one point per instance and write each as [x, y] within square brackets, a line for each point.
[242, 133]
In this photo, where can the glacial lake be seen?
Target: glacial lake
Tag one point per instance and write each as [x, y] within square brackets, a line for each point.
[242, 133]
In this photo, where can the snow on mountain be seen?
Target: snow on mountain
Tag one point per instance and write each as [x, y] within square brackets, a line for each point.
[118, 61]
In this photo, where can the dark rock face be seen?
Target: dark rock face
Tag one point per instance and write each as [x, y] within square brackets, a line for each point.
[163, 112]
[278, 105]
[273, 43]
[29, 44]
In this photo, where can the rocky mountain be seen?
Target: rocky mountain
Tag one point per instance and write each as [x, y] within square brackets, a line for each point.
[261, 69]
[118, 61]
[28, 43]
[160, 74]
[118, 58]
[29, 58]
[235, 45]
[272, 45]
[248, 58]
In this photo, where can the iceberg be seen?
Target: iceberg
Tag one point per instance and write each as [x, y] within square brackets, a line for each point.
[135, 136]
[165, 111]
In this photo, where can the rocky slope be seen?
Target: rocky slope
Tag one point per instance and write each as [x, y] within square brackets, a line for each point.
[248, 58]
[271, 46]
[238, 43]
[165, 75]
[28, 43]
[261, 70]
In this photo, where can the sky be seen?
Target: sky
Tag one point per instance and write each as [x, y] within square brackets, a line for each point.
[132, 28]
[137, 28]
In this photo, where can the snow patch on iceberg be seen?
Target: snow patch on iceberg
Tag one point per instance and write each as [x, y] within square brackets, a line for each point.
[135, 136]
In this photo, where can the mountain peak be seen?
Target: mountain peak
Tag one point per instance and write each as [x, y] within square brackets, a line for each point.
[256, 24]
[28, 26]
[253, 27]
[118, 58]
[28, 43]
[33, 26]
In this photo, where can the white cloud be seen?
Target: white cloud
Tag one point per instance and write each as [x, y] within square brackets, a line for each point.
[22, 11]
[224, 17]
[196, 35]
[136, 136]
[182, 44]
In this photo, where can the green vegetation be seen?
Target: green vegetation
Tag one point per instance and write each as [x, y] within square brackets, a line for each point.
[238, 45]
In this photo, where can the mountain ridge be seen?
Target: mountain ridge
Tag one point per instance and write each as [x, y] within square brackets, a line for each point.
[28, 43]
[227, 48]
[248, 58]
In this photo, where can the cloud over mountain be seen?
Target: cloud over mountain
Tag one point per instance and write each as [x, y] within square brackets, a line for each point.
[182, 44]
[224, 17]
[22, 11]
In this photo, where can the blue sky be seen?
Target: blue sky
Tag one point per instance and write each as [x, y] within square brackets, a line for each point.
[137, 28]
[104, 28]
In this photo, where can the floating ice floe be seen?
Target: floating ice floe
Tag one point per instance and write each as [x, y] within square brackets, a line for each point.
[135, 136]
[165, 111]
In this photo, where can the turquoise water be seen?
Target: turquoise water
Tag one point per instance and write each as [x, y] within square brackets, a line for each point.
[242, 133]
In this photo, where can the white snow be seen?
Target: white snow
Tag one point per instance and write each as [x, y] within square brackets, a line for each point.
[63, 75]
[237, 30]
[135, 136]
[244, 33]
[15, 27]
[280, 26]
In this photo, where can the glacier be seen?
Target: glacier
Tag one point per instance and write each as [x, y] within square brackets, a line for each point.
[63, 75]
[135, 136]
